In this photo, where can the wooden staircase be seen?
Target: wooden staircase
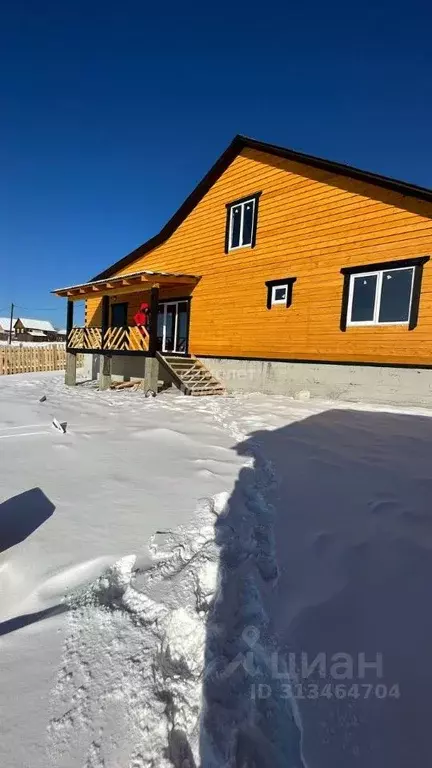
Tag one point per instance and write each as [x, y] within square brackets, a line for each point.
[190, 375]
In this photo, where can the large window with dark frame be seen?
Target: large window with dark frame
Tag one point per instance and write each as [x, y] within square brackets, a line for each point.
[382, 294]
[241, 223]
[380, 298]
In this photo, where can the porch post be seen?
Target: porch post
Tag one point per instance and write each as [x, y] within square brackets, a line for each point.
[69, 319]
[154, 305]
[70, 370]
[105, 372]
[105, 318]
[151, 370]
[151, 375]
[71, 358]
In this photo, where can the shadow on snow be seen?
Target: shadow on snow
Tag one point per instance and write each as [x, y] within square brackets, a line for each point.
[325, 548]
[21, 515]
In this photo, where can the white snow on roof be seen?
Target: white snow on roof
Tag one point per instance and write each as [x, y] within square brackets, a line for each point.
[4, 323]
[38, 334]
[36, 325]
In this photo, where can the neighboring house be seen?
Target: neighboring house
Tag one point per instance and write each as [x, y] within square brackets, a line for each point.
[28, 329]
[4, 328]
[280, 272]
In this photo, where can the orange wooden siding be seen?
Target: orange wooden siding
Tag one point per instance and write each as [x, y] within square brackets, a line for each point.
[310, 224]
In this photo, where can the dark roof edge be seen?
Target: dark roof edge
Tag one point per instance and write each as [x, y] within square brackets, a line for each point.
[403, 187]
[185, 209]
[240, 142]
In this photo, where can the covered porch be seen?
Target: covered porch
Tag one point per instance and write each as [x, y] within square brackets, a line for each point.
[112, 324]
[111, 327]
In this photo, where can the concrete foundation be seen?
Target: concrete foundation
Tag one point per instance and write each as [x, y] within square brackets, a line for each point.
[70, 370]
[356, 383]
[105, 372]
[123, 368]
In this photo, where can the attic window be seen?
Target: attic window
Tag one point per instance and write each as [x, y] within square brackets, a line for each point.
[241, 223]
[280, 292]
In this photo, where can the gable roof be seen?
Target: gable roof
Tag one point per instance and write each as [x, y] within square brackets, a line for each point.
[237, 145]
[35, 325]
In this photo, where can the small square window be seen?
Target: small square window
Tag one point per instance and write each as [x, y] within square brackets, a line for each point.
[241, 223]
[279, 294]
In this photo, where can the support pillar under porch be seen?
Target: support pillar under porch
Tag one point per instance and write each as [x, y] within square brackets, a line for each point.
[151, 375]
[105, 372]
[70, 370]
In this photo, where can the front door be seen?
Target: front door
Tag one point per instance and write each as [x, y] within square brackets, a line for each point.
[172, 332]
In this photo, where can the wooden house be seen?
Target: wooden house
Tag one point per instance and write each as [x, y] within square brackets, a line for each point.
[280, 272]
[30, 329]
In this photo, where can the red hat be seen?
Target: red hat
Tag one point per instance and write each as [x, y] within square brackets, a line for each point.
[144, 306]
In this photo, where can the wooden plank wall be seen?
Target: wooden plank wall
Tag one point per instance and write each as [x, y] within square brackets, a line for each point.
[34, 359]
[311, 223]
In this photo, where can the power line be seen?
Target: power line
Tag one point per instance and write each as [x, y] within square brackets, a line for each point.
[37, 309]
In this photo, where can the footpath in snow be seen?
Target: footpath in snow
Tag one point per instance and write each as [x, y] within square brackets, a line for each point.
[214, 582]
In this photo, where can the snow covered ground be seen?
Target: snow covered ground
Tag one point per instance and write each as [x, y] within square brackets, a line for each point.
[204, 581]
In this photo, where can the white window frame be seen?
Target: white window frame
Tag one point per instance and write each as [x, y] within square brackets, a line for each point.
[231, 224]
[275, 288]
[378, 291]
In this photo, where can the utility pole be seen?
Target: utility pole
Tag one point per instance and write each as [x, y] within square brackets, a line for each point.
[11, 321]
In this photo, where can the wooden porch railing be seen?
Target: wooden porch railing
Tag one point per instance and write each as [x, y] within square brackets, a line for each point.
[133, 338]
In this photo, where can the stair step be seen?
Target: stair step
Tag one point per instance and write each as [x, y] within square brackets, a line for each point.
[204, 384]
[197, 375]
[192, 370]
[186, 368]
[180, 360]
[201, 392]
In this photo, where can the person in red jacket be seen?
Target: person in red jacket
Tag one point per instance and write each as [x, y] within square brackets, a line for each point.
[142, 316]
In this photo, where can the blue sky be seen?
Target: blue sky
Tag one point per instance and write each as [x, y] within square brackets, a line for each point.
[112, 112]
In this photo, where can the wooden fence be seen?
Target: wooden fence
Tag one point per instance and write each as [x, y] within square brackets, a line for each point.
[51, 357]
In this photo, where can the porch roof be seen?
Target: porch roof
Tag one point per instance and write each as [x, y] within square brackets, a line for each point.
[135, 281]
